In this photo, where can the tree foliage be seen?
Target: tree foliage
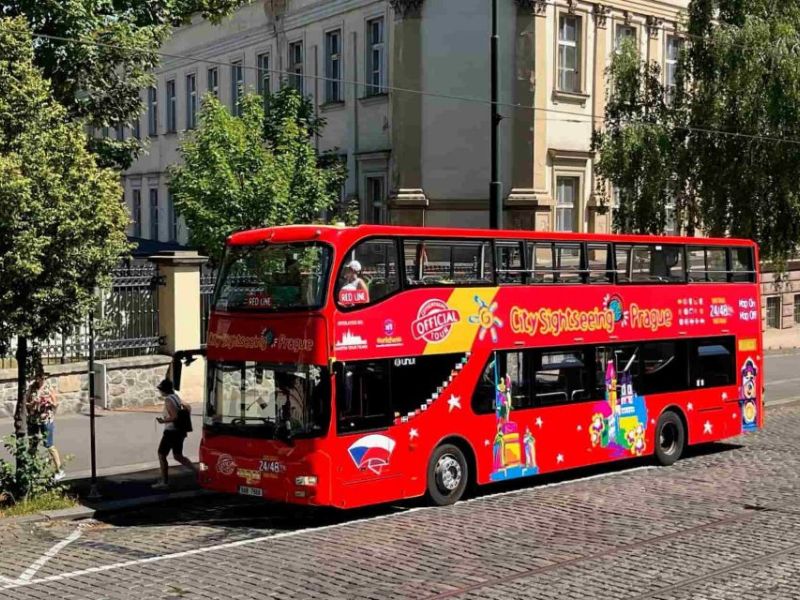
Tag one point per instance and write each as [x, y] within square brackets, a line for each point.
[99, 76]
[726, 149]
[256, 170]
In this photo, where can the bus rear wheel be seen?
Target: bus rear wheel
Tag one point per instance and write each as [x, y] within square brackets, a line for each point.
[670, 438]
[447, 475]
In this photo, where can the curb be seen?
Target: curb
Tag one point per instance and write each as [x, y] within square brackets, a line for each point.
[106, 508]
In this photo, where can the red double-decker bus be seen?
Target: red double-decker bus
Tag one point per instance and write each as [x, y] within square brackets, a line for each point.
[351, 366]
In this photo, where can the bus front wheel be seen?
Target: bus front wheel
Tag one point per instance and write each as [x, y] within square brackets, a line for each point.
[447, 475]
[670, 438]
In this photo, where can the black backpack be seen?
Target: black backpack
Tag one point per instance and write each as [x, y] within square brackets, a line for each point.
[183, 421]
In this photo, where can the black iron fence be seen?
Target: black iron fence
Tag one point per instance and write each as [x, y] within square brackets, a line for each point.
[125, 325]
[208, 279]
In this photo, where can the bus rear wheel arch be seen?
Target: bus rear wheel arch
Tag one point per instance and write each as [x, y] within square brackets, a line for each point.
[449, 473]
[670, 437]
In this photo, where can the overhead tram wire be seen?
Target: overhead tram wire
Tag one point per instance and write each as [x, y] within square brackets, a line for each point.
[588, 119]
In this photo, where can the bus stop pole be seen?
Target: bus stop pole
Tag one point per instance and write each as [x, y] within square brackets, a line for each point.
[495, 187]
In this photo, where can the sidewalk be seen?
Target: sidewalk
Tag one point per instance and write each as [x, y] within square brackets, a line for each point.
[126, 441]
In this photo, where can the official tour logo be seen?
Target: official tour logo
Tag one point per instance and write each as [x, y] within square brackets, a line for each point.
[434, 321]
[225, 464]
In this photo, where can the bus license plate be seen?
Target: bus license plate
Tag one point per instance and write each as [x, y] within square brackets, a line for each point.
[250, 491]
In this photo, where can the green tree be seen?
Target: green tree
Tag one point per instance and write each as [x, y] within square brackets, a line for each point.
[743, 69]
[62, 225]
[98, 78]
[726, 149]
[634, 145]
[256, 170]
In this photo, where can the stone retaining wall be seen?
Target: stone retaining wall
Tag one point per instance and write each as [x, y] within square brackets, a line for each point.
[130, 382]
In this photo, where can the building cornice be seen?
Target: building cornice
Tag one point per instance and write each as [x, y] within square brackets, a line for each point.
[406, 8]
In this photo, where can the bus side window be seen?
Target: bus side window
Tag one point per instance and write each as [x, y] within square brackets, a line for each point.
[361, 399]
[712, 362]
[562, 376]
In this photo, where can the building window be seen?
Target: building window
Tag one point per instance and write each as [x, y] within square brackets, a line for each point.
[237, 88]
[137, 213]
[674, 47]
[172, 216]
[171, 107]
[191, 101]
[375, 57]
[136, 129]
[296, 66]
[333, 66]
[797, 309]
[212, 78]
[154, 214]
[671, 224]
[152, 111]
[774, 312]
[569, 53]
[376, 203]
[566, 198]
[104, 132]
[263, 84]
[624, 32]
[119, 132]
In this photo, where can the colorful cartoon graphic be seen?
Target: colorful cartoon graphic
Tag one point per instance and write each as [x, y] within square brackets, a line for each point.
[613, 302]
[748, 396]
[486, 318]
[372, 452]
[620, 423]
[512, 457]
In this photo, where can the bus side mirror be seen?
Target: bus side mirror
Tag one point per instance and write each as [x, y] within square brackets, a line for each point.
[177, 367]
[181, 358]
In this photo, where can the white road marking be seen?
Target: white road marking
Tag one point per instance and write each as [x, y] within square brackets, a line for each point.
[782, 381]
[204, 550]
[28, 573]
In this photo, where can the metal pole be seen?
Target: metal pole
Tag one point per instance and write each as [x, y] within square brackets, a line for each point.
[495, 187]
[94, 494]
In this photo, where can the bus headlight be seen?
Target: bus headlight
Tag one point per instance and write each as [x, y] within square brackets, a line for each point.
[307, 480]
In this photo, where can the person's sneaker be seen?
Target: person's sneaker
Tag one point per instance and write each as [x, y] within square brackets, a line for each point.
[59, 475]
[160, 486]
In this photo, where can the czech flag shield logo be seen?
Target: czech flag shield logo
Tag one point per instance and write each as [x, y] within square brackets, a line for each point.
[372, 452]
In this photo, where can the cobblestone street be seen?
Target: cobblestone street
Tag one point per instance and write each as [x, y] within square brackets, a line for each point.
[722, 523]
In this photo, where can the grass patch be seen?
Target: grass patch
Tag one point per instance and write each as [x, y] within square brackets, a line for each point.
[53, 500]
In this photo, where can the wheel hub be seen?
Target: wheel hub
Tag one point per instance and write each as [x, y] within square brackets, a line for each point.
[448, 473]
[667, 439]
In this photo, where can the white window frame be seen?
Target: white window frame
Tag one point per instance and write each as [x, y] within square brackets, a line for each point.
[152, 194]
[191, 100]
[574, 207]
[620, 27]
[136, 211]
[778, 314]
[333, 66]
[297, 66]
[669, 81]
[152, 111]
[263, 74]
[376, 79]
[375, 208]
[237, 87]
[578, 45]
[212, 83]
[172, 106]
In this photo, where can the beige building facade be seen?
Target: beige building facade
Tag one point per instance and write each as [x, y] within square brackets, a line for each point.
[404, 88]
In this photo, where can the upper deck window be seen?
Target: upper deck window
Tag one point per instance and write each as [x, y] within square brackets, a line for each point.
[448, 262]
[368, 273]
[274, 277]
[651, 263]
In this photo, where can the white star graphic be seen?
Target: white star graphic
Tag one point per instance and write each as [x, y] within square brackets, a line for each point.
[580, 428]
[707, 427]
[413, 433]
[734, 415]
[454, 402]
[652, 421]
[539, 422]
[485, 442]
[560, 458]
[724, 395]
[690, 406]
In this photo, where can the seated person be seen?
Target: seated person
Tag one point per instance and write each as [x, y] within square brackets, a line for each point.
[354, 290]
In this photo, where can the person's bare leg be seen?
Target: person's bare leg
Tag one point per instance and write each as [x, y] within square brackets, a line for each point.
[162, 462]
[56, 457]
[185, 462]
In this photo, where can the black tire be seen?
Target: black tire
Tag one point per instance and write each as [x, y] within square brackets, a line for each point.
[448, 475]
[670, 438]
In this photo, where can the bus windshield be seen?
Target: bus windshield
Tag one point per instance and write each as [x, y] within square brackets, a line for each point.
[268, 400]
[274, 277]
